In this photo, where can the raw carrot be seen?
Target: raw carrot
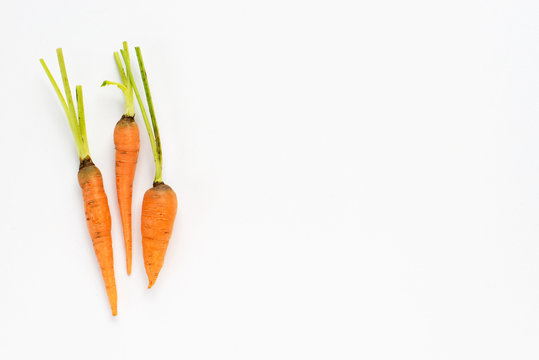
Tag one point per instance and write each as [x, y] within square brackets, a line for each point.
[126, 140]
[98, 222]
[160, 203]
[158, 213]
[127, 143]
[91, 182]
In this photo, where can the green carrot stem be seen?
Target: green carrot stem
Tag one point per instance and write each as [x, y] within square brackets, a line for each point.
[125, 86]
[118, 60]
[61, 98]
[72, 120]
[128, 93]
[121, 86]
[156, 157]
[82, 122]
[150, 102]
[67, 89]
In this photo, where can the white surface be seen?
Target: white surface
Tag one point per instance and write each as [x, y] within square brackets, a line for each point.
[357, 180]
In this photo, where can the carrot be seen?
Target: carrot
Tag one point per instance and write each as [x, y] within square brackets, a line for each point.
[127, 143]
[97, 212]
[91, 182]
[126, 140]
[158, 212]
[160, 203]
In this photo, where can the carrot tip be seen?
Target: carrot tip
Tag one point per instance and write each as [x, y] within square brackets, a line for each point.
[150, 284]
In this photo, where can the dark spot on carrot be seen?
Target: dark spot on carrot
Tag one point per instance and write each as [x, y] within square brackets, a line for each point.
[87, 161]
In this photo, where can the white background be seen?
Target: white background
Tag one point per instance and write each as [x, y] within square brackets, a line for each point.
[356, 180]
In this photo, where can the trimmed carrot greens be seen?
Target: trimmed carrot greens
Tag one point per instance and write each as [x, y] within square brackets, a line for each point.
[150, 102]
[125, 86]
[76, 124]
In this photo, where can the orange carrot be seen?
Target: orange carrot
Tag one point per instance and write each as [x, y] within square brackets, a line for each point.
[91, 182]
[127, 143]
[160, 203]
[97, 211]
[158, 212]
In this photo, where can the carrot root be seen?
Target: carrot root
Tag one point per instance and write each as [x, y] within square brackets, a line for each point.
[127, 142]
[159, 208]
[98, 221]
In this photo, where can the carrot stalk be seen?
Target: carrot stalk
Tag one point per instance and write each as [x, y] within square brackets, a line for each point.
[121, 70]
[125, 86]
[150, 107]
[69, 98]
[82, 121]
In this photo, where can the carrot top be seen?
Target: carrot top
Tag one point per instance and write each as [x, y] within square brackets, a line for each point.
[125, 86]
[77, 124]
[153, 130]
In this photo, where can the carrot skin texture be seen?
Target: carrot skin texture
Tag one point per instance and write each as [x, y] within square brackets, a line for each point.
[127, 143]
[159, 208]
[98, 221]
